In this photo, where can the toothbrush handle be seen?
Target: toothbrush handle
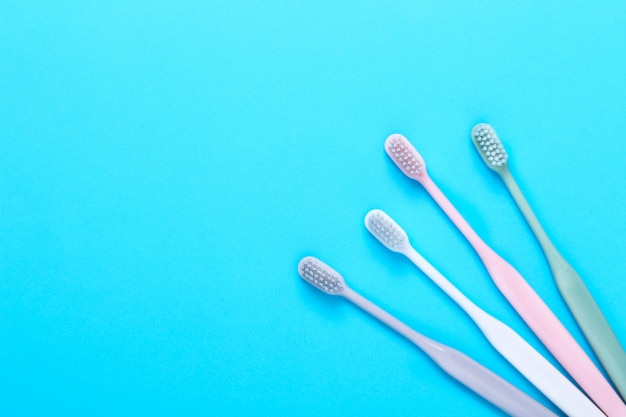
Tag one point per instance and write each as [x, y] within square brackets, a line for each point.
[467, 371]
[594, 326]
[541, 373]
[536, 314]
[490, 386]
[581, 303]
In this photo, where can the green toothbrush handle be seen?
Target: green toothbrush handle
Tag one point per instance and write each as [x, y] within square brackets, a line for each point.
[593, 324]
[579, 300]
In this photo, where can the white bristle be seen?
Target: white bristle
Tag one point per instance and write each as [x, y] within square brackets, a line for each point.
[405, 156]
[387, 231]
[489, 145]
[322, 276]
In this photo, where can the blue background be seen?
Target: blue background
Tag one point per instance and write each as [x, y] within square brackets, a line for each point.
[164, 165]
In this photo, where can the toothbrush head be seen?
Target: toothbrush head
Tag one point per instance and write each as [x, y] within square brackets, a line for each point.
[489, 146]
[320, 275]
[404, 155]
[386, 230]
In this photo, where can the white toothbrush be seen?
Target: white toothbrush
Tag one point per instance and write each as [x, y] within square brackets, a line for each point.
[459, 366]
[516, 350]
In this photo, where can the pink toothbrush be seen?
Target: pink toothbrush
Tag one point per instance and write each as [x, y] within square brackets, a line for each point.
[522, 297]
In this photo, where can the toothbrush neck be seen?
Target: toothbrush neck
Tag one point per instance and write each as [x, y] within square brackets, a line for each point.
[421, 341]
[442, 282]
[555, 259]
[477, 243]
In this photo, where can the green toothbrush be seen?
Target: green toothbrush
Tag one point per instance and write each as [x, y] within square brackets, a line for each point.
[578, 298]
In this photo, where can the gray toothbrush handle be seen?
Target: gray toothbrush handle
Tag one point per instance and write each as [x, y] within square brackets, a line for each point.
[461, 367]
[579, 300]
[489, 385]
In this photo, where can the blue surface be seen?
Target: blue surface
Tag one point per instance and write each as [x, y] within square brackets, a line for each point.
[164, 165]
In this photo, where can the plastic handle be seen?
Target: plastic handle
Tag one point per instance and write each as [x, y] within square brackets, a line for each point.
[579, 300]
[490, 386]
[467, 371]
[536, 314]
[541, 373]
[594, 326]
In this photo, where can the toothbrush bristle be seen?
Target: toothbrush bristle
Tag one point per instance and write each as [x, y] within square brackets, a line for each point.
[405, 156]
[386, 230]
[489, 145]
[322, 276]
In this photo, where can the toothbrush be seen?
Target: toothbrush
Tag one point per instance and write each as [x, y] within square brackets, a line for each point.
[516, 350]
[459, 366]
[522, 297]
[585, 310]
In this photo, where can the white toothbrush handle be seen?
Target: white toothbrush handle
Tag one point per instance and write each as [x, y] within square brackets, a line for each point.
[538, 370]
[461, 367]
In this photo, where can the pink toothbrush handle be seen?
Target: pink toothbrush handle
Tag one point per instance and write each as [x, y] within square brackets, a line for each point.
[536, 314]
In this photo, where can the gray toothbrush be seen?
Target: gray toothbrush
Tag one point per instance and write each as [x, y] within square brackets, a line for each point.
[581, 303]
[459, 366]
